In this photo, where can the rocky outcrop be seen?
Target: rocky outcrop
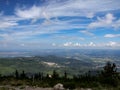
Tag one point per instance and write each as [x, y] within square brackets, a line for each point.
[58, 86]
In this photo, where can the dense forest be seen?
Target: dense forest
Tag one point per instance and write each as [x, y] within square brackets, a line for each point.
[108, 78]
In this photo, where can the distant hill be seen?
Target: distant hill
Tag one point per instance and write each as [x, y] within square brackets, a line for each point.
[73, 61]
[44, 64]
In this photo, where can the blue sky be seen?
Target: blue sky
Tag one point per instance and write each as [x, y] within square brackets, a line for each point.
[59, 24]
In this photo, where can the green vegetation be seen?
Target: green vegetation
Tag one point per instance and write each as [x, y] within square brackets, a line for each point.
[44, 64]
[108, 79]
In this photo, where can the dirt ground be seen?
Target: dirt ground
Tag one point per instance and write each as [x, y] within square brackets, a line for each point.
[31, 88]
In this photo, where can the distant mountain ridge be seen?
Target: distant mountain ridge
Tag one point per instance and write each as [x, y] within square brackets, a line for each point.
[74, 61]
[42, 64]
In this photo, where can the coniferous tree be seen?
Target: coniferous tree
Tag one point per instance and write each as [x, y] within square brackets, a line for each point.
[65, 75]
[23, 76]
[55, 75]
[16, 74]
[109, 74]
[47, 76]
[109, 70]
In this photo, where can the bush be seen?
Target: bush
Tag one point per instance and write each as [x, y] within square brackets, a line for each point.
[69, 85]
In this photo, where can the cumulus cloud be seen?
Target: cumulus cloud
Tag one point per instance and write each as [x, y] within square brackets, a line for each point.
[71, 44]
[67, 44]
[112, 35]
[91, 44]
[77, 44]
[111, 44]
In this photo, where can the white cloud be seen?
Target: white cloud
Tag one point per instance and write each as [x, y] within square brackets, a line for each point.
[82, 8]
[47, 11]
[112, 35]
[81, 38]
[3, 35]
[33, 12]
[71, 44]
[106, 21]
[116, 24]
[7, 24]
[87, 32]
[53, 44]
[111, 44]
[90, 15]
[8, 21]
[67, 44]
[69, 37]
[77, 44]
[91, 44]
[14, 30]
[72, 7]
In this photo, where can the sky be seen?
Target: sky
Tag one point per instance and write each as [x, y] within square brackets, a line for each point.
[59, 24]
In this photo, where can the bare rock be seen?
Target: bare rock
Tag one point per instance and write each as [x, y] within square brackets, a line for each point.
[58, 86]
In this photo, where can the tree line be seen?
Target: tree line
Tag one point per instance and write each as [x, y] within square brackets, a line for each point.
[106, 77]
